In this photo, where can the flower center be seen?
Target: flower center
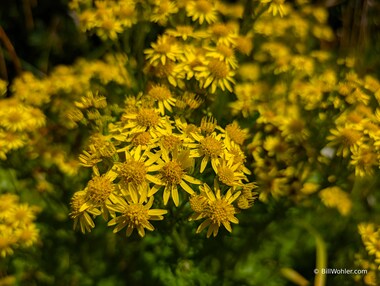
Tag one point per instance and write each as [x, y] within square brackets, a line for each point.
[220, 30]
[220, 211]
[133, 172]
[218, 69]
[142, 138]
[203, 6]
[160, 93]
[163, 48]
[99, 189]
[211, 147]
[225, 51]
[226, 176]
[350, 137]
[169, 142]
[172, 173]
[136, 215]
[147, 117]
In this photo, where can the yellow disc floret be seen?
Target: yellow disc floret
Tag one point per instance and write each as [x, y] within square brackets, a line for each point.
[133, 172]
[172, 173]
[147, 117]
[99, 189]
[211, 147]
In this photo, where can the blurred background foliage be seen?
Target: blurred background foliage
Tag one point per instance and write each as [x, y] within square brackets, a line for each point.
[271, 238]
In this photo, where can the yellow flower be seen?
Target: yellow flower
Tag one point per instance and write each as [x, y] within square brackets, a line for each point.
[222, 33]
[31, 90]
[134, 171]
[101, 145]
[271, 183]
[7, 202]
[162, 11]
[172, 173]
[135, 214]
[219, 210]
[275, 7]
[215, 73]
[169, 143]
[7, 240]
[189, 100]
[366, 230]
[109, 29]
[145, 119]
[12, 140]
[185, 32]
[364, 159]
[89, 159]
[244, 103]
[231, 10]
[191, 58]
[370, 234]
[224, 53]
[293, 126]
[163, 96]
[244, 44]
[237, 156]
[309, 188]
[230, 173]
[208, 124]
[82, 219]
[142, 140]
[171, 72]
[202, 10]
[211, 148]
[235, 133]
[21, 215]
[163, 50]
[334, 197]
[98, 191]
[125, 12]
[276, 146]
[247, 196]
[27, 236]
[345, 138]
[15, 118]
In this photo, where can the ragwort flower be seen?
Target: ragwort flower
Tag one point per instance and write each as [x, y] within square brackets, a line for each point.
[173, 173]
[135, 213]
[219, 210]
[201, 11]
[215, 73]
[163, 50]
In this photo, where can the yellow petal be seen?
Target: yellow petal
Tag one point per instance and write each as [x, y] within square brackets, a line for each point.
[186, 187]
[175, 196]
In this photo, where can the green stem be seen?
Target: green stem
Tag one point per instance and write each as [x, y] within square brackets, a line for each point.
[179, 242]
[321, 261]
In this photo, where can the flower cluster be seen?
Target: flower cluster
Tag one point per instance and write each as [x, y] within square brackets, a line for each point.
[147, 155]
[370, 234]
[19, 123]
[316, 120]
[189, 108]
[17, 228]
